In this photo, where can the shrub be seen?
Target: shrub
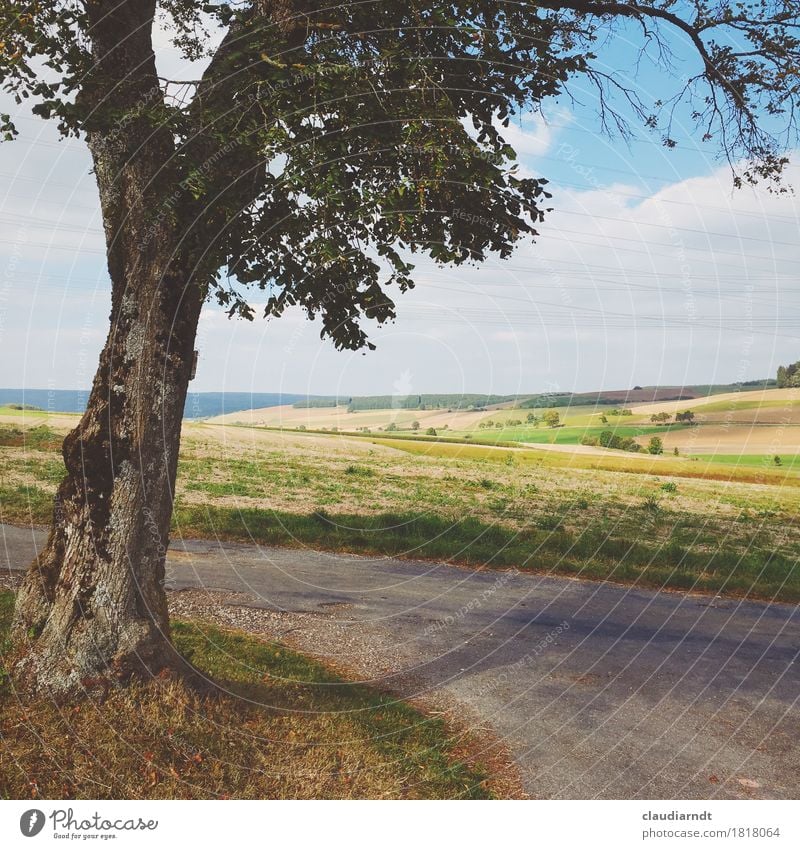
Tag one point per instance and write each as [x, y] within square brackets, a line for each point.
[656, 445]
[651, 503]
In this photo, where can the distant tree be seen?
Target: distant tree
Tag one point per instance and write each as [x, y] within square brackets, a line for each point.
[604, 419]
[415, 425]
[675, 451]
[685, 416]
[608, 439]
[431, 431]
[777, 460]
[531, 418]
[789, 376]
[660, 417]
[656, 445]
[391, 427]
[551, 418]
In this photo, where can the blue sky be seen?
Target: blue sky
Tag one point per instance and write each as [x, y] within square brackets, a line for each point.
[651, 269]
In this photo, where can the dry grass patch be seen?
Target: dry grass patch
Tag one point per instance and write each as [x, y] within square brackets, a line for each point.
[279, 726]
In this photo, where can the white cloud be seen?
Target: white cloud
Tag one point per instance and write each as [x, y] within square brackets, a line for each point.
[692, 283]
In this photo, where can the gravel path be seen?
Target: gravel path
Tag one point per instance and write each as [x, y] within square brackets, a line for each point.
[599, 690]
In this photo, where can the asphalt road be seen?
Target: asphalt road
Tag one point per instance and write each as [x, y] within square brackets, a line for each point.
[600, 691]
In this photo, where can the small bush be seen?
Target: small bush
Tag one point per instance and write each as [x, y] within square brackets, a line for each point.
[359, 471]
[651, 504]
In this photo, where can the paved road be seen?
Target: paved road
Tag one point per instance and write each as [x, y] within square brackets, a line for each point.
[599, 690]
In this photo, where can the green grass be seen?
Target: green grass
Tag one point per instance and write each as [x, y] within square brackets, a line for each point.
[622, 462]
[743, 404]
[281, 726]
[550, 544]
[569, 435]
[789, 462]
[41, 437]
[663, 520]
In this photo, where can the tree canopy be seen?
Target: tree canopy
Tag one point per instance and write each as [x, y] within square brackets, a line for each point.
[322, 146]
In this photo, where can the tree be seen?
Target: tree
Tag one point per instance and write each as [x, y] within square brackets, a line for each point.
[685, 416]
[789, 376]
[431, 431]
[415, 425]
[314, 154]
[531, 418]
[608, 439]
[656, 445]
[551, 418]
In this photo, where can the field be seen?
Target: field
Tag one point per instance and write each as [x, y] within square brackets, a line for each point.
[758, 422]
[716, 520]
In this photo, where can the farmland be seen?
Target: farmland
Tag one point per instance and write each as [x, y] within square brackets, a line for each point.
[722, 519]
[759, 422]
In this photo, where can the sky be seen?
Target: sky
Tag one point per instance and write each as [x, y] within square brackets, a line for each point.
[651, 269]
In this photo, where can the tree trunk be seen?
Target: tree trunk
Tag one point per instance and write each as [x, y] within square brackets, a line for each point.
[92, 609]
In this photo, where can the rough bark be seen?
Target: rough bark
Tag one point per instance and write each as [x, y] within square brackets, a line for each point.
[92, 609]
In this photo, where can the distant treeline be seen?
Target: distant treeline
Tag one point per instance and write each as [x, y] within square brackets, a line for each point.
[409, 402]
[639, 394]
